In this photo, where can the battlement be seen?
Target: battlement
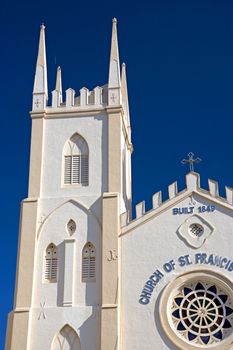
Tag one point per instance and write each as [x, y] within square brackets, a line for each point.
[98, 97]
[192, 185]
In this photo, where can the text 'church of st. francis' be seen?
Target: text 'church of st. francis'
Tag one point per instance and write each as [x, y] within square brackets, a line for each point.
[89, 277]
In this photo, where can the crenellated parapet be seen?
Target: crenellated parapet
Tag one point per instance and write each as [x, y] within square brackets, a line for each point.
[192, 186]
[86, 99]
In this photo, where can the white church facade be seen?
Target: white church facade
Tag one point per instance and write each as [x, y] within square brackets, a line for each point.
[88, 276]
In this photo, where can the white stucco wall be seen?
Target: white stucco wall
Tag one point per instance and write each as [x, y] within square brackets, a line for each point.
[147, 247]
[57, 205]
[53, 230]
[56, 132]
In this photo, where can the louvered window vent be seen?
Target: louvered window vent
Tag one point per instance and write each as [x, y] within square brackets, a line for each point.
[76, 161]
[51, 262]
[89, 263]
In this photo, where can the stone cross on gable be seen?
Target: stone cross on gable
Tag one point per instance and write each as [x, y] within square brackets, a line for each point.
[191, 161]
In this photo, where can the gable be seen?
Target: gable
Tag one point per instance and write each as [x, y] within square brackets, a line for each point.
[185, 242]
[181, 203]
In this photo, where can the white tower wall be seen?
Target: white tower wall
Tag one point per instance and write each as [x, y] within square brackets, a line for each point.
[63, 298]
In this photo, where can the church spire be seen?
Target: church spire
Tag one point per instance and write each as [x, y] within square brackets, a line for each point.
[58, 80]
[114, 81]
[40, 90]
[57, 93]
[124, 92]
[59, 84]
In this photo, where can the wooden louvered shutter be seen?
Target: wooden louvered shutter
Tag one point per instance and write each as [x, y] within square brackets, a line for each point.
[84, 170]
[85, 268]
[68, 170]
[89, 263]
[50, 274]
[76, 165]
[92, 267]
[76, 169]
[53, 275]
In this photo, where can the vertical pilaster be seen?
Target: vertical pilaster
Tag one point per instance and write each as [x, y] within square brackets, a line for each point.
[109, 314]
[17, 330]
[36, 157]
[26, 252]
[114, 151]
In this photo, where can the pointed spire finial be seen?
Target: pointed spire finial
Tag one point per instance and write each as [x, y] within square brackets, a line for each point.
[58, 80]
[41, 58]
[40, 90]
[114, 81]
[125, 101]
[57, 93]
[59, 85]
[124, 90]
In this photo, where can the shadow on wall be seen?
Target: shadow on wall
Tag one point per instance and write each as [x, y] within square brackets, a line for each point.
[104, 153]
[90, 299]
[85, 328]
[60, 280]
[169, 344]
[92, 289]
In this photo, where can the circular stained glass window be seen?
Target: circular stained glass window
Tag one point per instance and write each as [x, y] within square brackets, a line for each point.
[198, 311]
[202, 313]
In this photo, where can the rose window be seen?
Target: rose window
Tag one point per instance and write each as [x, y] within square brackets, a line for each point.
[202, 313]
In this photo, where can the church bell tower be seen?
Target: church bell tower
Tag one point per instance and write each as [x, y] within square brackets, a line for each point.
[67, 284]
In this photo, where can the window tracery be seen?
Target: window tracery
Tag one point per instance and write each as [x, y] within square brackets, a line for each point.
[196, 310]
[202, 313]
[67, 339]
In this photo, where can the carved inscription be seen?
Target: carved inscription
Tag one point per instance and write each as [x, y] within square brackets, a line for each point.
[112, 255]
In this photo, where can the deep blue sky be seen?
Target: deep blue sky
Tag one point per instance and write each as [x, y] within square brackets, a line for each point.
[179, 57]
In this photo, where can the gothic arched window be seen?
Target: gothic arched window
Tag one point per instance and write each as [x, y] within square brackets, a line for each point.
[76, 160]
[51, 260]
[66, 339]
[88, 263]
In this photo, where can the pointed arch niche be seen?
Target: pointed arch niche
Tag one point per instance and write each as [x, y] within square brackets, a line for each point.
[50, 263]
[89, 263]
[76, 161]
[66, 339]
